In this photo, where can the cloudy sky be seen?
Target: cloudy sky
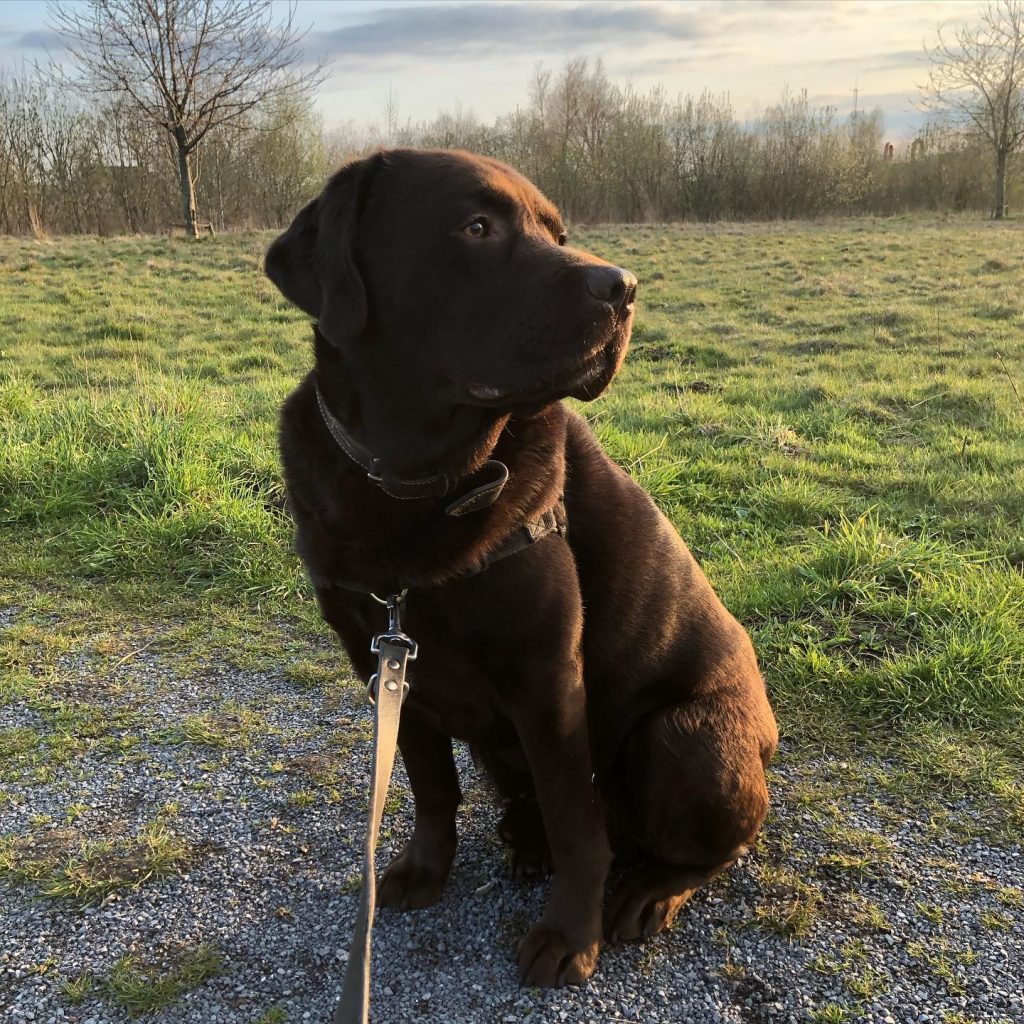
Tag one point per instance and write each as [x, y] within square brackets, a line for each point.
[432, 55]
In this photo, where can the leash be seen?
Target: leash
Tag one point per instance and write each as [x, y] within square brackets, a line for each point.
[387, 690]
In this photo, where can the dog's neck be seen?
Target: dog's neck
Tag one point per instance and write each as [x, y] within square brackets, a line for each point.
[395, 420]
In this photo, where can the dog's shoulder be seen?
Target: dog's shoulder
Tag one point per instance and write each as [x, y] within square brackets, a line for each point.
[593, 477]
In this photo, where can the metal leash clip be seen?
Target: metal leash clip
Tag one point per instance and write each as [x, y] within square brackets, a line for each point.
[393, 635]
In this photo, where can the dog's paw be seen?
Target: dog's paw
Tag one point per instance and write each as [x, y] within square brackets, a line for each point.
[548, 960]
[409, 884]
[530, 865]
[522, 829]
[640, 918]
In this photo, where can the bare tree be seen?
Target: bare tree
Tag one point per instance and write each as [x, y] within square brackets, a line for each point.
[189, 66]
[977, 80]
[22, 144]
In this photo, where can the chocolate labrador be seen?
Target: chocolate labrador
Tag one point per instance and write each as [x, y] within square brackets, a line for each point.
[565, 630]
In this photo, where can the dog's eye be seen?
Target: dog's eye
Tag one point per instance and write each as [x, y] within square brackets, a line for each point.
[563, 238]
[476, 228]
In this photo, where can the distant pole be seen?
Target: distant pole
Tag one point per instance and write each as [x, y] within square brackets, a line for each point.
[856, 93]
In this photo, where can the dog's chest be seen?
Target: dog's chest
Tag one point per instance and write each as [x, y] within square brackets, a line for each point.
[453, 690]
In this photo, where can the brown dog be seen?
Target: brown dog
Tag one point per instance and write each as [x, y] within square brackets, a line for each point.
[614, 701]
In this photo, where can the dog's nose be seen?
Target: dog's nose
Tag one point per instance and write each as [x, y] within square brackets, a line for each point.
[612, 285]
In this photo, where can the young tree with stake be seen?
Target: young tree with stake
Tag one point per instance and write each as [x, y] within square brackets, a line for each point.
[188, 66]
[977, 80]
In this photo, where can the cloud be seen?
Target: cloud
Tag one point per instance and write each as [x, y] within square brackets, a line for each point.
[34, 39]
[705, 58]
[481, 30]
[867, 100]
[880, 61]
[18, 46]
[38, 39]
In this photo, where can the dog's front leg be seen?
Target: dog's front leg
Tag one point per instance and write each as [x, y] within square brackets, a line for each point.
[562, 948]
[417, 875]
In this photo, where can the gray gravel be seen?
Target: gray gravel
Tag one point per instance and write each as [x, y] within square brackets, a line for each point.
[271, 887]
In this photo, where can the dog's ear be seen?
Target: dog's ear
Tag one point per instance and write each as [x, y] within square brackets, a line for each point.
[313, 263]
[291, 260]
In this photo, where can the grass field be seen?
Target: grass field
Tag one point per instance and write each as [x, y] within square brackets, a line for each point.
[831, 414]
[827, 412]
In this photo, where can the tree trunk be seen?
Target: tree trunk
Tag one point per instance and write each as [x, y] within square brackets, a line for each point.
[126, 203]
[1000, 205]
[35, 222]
[188, 187]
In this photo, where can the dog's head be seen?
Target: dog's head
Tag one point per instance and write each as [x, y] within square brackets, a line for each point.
[452, 270]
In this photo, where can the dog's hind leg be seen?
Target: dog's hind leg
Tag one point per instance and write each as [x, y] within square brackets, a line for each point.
[650, 896]
[688, 791]
[521, 827]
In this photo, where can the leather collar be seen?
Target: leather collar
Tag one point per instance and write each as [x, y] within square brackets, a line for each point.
[485, 483]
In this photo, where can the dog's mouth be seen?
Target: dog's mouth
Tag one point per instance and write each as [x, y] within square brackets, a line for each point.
[585, 381]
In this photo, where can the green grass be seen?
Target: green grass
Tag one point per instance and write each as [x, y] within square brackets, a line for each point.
[66, 863]
[791, 905]
[275, 1015]
[77, 989]
[826, 411]
[141, 987]
[233, 725]
[829, 1013]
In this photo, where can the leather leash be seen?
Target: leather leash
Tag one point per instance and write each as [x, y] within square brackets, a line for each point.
[387, 689]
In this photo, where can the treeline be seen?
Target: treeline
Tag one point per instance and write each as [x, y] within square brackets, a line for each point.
[602, 151]
[69, 168]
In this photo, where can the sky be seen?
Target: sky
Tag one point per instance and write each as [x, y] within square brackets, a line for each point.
[430, 56]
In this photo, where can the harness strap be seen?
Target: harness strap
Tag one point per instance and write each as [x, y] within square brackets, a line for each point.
[387, 690]
[554, 520]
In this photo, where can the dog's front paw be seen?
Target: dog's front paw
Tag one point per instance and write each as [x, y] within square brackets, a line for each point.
[548, 960]
[409, 883]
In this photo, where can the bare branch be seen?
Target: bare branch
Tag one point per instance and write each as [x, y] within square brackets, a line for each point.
[189, 66]
[977, 82]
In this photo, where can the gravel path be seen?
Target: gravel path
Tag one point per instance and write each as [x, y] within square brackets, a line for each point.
[856, 905]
